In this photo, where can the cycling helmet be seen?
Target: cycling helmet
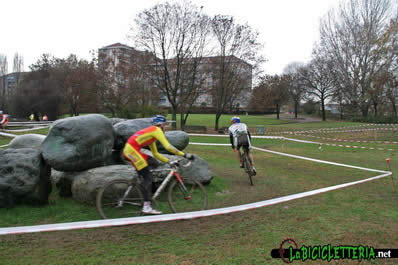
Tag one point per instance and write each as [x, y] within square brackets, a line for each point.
[235, 120]
[158, 119]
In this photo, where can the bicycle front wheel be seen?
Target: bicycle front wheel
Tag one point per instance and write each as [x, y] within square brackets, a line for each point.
[119, 199]
[187, 197]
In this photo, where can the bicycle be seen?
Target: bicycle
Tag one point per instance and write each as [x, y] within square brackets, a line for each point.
[247, 165]
[123, 198]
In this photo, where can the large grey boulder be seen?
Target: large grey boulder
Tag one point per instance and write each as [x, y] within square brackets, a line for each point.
[85, 184]
[79, 143]
[127, 128]
[178, 139]
[116, 120]
[27, 141]
[24, 177]
[63, 181]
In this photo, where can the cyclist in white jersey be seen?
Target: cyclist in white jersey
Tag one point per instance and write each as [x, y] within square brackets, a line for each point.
[240, 136]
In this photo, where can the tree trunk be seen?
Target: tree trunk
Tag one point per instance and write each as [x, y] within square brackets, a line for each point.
[295, 109]
[277, 111]
[365, 110]
[323, 109]
[186, 118]
[375, 108]
[218, 115]
[394, 107]
[182, 121]
[174, 118]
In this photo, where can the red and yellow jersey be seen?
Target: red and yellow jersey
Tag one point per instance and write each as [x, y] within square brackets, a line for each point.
[3, 119]
[149, 136]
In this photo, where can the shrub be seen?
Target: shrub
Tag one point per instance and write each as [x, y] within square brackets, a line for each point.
[127, 112]
[149, 111]
[378, 120]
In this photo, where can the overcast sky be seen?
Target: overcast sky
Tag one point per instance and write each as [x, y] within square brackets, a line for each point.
[288, 28]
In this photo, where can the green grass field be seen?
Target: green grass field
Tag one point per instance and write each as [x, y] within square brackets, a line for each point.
[208, 120]
[364, 214]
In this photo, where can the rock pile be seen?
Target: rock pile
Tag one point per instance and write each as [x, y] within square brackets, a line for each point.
[78, 155]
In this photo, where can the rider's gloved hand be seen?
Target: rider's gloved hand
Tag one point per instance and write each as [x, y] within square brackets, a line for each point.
[189, 156]
[174, 163]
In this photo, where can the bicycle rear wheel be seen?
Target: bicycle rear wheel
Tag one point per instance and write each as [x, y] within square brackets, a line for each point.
[119, 199]
[192, 197]
[248, 166]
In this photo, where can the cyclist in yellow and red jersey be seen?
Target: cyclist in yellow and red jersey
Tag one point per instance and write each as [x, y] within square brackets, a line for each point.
[3, 119]
[132, 151]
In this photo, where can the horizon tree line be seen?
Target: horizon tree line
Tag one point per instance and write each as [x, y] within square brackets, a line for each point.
[354, 64]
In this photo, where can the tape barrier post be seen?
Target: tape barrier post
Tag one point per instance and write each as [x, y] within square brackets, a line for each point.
[389, 168]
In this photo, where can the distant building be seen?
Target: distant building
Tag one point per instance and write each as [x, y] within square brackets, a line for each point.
[116, 57]
[124, 62]
[8, 87]
[334, 108]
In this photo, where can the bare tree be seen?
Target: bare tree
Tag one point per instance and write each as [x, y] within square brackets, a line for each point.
[175, 34]
[350, 36]
[3, 72]
[18, 68]
[3, 65]
[123, 86]
[391, 36]
[75, 80]
[318, 80]
[18, 65]
[270, 93]
[38, 91]
[238, 57]
[296, 86]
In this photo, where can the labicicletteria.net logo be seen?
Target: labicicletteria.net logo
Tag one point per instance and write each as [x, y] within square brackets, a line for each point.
[289, 251]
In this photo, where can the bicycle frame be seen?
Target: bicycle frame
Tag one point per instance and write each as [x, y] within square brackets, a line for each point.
[173, 172]
[107, 199]
[164, 182]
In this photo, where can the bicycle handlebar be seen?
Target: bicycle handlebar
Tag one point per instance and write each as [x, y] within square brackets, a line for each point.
[177, 162]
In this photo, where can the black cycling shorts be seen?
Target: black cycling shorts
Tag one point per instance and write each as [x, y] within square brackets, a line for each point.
[243, 141]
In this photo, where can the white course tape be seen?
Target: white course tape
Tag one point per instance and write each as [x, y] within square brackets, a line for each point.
[28, 123]
[191, 215]
[8, 134]
[350, 141]
[26, 130]
[224, 135]
[3, 145]
[176, 216]
[321, 161]
[301, 141]
[340, 131]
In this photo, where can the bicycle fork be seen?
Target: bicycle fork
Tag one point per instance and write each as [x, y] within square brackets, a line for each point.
[183, 188]
[120, 202]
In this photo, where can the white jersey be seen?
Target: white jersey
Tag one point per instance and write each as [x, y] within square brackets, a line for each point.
[237, 129]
